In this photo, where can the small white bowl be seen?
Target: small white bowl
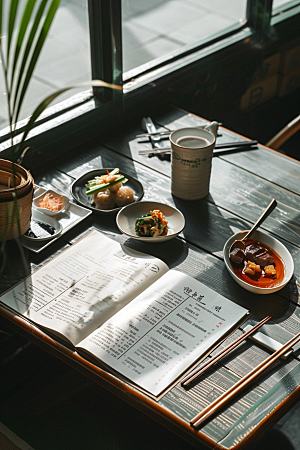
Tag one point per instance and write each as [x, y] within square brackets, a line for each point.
[37, 199]
[274, 244]
[127, 216]
[38, 218]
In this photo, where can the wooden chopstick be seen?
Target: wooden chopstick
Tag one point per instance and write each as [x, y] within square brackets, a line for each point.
[220, 402]
[198, 371]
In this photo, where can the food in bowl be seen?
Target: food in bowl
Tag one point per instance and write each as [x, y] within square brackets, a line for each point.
[257, 264]
[152, 224]
[38, 230]
[51, 201]
[108, 191]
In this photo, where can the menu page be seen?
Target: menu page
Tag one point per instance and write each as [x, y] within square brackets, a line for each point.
[163, 331]
[85, 285]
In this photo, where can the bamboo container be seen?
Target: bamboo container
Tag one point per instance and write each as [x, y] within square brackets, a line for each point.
[16, 193]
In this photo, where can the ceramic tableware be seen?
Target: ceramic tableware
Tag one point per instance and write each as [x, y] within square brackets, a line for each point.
[37, 201]
[127, 216]
[275, 245]
[192, 151]
[42, 228]
[78, 190]
[67, 219]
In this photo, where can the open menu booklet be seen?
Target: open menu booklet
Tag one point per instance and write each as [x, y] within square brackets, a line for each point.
[126, 310]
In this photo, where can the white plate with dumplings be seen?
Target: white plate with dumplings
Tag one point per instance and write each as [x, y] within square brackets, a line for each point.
[78, 191]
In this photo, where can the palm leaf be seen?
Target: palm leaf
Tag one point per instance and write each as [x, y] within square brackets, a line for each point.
[0, 20]
[36, 52]
[22, 30]
[28, 47]
[45, 103]
[11, 23]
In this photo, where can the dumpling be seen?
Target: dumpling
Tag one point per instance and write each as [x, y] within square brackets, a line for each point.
[110, 179]
[124, 196]
[105, 199]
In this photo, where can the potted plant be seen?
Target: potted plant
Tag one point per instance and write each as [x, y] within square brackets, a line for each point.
[20, 48]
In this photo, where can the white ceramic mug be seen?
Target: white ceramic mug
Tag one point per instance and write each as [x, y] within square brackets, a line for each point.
[192, 150]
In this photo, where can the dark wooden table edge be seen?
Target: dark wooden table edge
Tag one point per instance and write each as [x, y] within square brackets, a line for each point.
[106, 380]
[130, 395]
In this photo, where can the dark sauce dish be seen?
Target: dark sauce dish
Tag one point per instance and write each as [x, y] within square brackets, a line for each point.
[42, 227]
[283, 263]
[265, 271]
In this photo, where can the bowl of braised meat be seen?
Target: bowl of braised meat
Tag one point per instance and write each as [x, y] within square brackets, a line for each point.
[263, 266]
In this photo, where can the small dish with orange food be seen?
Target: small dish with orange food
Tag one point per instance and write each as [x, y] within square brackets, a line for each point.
[265, 266]
[51, 203]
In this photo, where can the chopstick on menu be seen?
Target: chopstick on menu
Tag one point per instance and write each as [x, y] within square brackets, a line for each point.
[199, 370]
[225, 398]
[219, 148]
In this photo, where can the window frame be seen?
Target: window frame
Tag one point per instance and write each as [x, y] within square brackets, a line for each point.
[106, 61]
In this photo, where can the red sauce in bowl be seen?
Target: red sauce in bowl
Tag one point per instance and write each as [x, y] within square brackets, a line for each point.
[262, 281]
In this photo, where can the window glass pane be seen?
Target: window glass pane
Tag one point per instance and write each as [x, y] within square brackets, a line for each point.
[64, 60]
[155, 28]
[281, 5]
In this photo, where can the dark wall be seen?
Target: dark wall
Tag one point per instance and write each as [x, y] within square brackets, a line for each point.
[221, 89]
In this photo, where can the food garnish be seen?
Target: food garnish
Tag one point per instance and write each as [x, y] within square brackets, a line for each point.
[152, 224]
[52, 202]
[104, 182]
[108, 190]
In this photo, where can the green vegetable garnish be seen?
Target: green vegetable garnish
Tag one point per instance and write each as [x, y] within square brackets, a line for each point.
[102, 187]
[148, 224]
[96, 185]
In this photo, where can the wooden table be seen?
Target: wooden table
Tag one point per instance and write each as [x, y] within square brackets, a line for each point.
[242, 185]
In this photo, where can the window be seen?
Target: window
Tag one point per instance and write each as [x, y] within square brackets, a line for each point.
[281, 5]
[141, 44]
[154, 30]
[64, 60]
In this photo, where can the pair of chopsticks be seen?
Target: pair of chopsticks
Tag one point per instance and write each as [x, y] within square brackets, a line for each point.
[219, 148]
[220, 402]
[157, 133]
[163, 133]
[199, 371]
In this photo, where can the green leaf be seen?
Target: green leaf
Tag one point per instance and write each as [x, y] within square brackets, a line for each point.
[22, 30]
[12, 18]
[43, 105]
[28, 47]
[1, 14]
[36, 52]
